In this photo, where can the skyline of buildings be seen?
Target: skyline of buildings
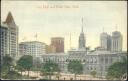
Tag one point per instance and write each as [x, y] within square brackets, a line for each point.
[109, 43]
[62, 22]
[92, 60]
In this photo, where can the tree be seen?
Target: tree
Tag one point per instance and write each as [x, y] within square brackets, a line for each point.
[117, 70]
[8, 69]
[25, 62]
[19, 65]
[7, 62]
[49, 68]
[75, 67]
[93, 73]
[12, 75]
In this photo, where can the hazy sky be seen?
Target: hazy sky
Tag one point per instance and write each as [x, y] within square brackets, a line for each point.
[48, 20]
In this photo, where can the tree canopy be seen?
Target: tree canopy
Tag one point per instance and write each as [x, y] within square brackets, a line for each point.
[7, 62]
[75, 67]
[117, 70]
[49, 68]
[25, 62]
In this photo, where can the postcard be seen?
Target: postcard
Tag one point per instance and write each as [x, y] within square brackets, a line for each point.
[63, 40]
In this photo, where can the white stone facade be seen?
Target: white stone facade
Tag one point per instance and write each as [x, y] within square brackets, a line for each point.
[97, 60]
[33, 48]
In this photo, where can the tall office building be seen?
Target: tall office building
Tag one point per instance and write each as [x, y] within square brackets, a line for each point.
[4, 49]
[9, 37]
[58, 43]
[105, 41]
[116, 41]
[82, 40]
[33, 48]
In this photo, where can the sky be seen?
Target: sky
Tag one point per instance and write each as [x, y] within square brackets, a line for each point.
[63, 19]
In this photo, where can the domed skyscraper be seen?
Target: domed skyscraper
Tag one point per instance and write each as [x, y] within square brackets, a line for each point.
[116, 41]
[105, 41]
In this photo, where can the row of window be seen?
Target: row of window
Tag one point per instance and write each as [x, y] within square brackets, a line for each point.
[106, 60]
[62, 60]
[91, 68]
[92, 60]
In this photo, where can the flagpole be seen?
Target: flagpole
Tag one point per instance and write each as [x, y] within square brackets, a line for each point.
[35, 36]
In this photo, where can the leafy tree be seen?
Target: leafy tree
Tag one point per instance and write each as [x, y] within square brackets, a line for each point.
[117, 70]
[25, 62]
[49, 68]
[93, 73]
[75, 67]
[8, 69]
[12, 75]
[7, 62]
[19, 65]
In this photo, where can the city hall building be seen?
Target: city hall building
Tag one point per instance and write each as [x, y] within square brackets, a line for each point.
[97, 60]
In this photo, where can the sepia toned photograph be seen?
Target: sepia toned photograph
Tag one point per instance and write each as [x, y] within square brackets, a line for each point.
[63, 40]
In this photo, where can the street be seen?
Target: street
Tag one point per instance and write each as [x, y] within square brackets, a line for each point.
[62, 76]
